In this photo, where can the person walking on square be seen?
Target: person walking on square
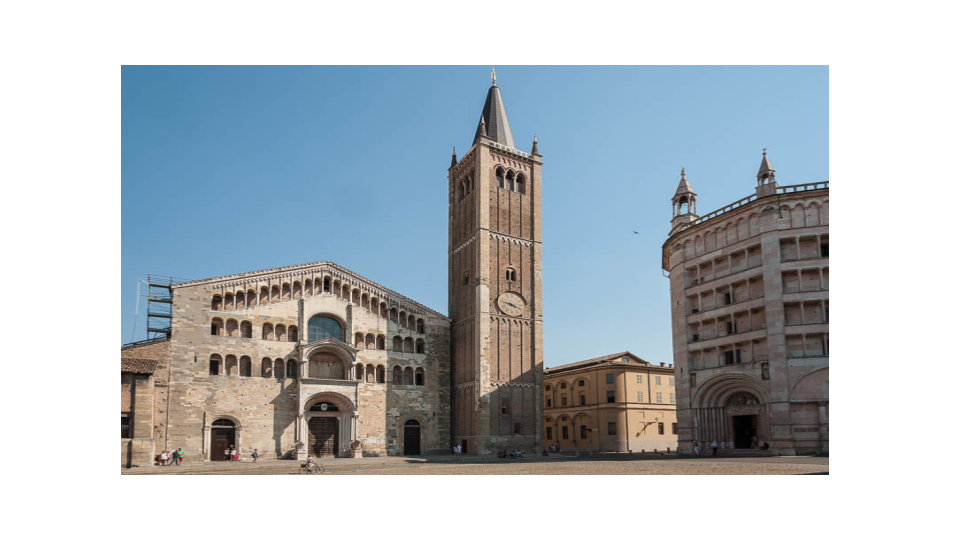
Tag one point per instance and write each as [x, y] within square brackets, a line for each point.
[226, 454]
[696, 448]
[179, 454]
[255, 455]
[233, 454]
[713, 447]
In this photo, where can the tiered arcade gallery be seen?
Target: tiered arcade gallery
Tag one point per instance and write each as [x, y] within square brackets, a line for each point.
[749, 294]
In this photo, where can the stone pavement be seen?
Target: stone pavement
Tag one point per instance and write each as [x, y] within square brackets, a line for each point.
[448, 465]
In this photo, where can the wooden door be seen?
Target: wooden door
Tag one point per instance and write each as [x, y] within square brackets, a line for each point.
[323, 439]
[220, 439]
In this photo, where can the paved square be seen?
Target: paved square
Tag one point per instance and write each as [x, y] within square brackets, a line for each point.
[448, 465]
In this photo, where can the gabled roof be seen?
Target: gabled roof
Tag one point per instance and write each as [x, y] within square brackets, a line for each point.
[495, 117]
[608, 359]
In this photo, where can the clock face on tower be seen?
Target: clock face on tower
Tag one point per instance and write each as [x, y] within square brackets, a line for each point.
[511, 304]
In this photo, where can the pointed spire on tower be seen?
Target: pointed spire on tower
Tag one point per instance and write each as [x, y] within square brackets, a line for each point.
[481, 130]
[766, 177]
[536, 150]
[765, 166]
[494, 116]
[453, 159]
[684, 202]
[684, 186]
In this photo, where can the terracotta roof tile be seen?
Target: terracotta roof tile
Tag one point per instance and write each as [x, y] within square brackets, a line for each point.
[138, 365]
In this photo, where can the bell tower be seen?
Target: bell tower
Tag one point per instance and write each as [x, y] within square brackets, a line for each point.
[495, 290]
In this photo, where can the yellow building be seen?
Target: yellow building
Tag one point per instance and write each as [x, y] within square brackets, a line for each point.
[615, 403]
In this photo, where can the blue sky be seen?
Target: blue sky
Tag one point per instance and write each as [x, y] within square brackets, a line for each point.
[234, 169]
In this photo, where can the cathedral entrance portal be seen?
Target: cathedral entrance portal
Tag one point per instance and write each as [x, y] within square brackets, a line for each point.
[223, 436]
[744, 429]
[324, 437]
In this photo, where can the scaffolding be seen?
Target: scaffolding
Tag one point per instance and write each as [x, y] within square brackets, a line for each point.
[160, 305]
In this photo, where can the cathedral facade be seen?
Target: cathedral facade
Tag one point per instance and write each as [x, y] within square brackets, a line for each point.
[317, 360]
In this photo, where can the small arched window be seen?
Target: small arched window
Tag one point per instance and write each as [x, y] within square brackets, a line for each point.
[563, 385]
[510, 181]
[216, 327]
[217, 303]
[397, 375]
[421, 346]
[511, 274]
[381, 374]
[521, 187]
[500, 178]
[246, 329]
[291, 369]
[463, 190]
[547, 388]
[418, 377]
[381, 343]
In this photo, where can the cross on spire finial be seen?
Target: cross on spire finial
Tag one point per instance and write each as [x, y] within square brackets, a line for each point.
[493, 75]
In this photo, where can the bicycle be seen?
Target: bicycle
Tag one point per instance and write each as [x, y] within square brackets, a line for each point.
[314, 468]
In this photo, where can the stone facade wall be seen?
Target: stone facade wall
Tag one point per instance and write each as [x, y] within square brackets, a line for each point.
[267, 409]
[783, 362]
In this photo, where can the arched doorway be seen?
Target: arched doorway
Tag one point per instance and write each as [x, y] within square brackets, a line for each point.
[730, 409]
[323, 431]
[411, 438]
[744, 426]
[223, 435]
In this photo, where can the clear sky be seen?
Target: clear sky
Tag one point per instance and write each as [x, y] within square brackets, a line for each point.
[235, 169]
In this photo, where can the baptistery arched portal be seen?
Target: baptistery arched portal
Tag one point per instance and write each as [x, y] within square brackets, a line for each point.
[743, 426]
[733, 410]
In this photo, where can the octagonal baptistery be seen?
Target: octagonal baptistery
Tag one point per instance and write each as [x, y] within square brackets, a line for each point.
[306, 360]
[749, 296]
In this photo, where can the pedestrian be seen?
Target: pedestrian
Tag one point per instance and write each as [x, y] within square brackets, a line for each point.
[233, 454]
[713, 447]
[179, 454]
[696, 448]
[226, 454]
[255, 455]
